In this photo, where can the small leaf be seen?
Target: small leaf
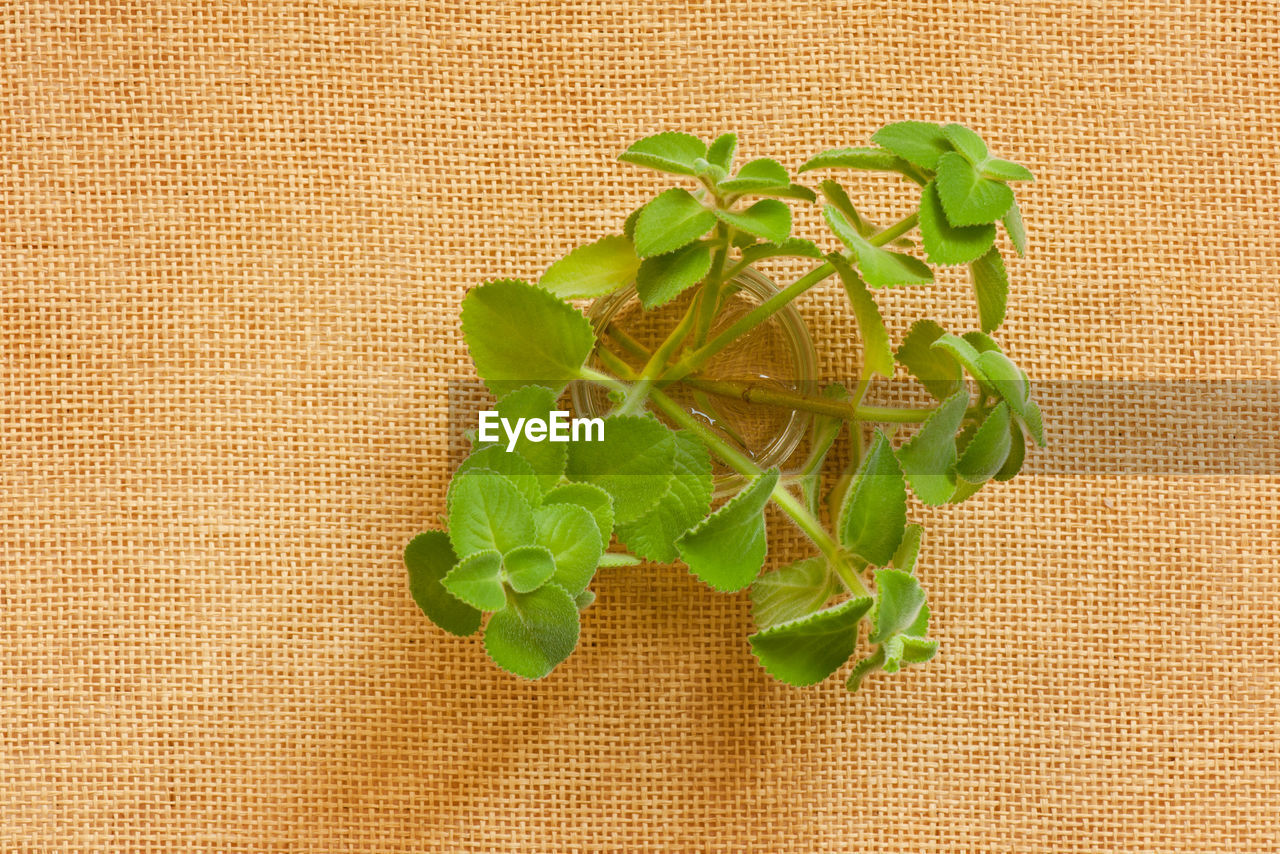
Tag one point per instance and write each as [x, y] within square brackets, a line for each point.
[966, 142]
[512, 466]
[875, 512]
[872, 159]
[519, 334]
[839, 199]
[936, 371]
[900, 603]
[921, 143]
[1015, 228]
[879, 267]
[662, 278]
[528, 567]
[727, 548]
[615, 560]
[487, 512]
[963, 352]
[1006, 170]
[987, 451]
[686, 501]
[584, 600]
[593, 270]
[794, 591]
[761, 174]
[808, 650]
[792, 191]
[981, 341]
[877, 354]
[767, 218]
[865, 668]
[593, 499]
[1017, 453]
[672, 220]
[991, 287]
[1034, 423]
[569, 532]
[928, 460]
[534, 633]
[477, 580]
[675, 153]
[721, 151]
[547, 459]
[793, 246]
[967, 197]
[428, 558]
[1007, 379]
[629, 225]
[905, 557]
[945, 243]
[634, 463]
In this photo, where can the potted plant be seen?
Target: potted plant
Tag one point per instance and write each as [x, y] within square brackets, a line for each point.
[654, 462]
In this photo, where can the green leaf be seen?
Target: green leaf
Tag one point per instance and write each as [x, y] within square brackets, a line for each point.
[528, 567]
[928, 460]
[721, 151]
[808, 650]
[966, 142]
[1005, 170]
[987, 451]
[879, 267]
[963, 352]
[793, 246]
[487, 512]
[794, 591]
[593, 499]
[662, 278]
[767, 218]
[839, 199]
[877, 354]
[945, 243]
[547, 459]
[872, 159]
[428, 557]
[1034, 423]
[614, 560]
[905, 557]
[864, 668]
[727, 549]
[534, 633]
[477, 580]
[593, 270]
[981, 341]
[686, 501]
[569, 532]
[519, 334]
[991, 288]
[761, 174]
[1007, 379]
[899, 606]
[512, 466]
[672, 220]
[675, 153]
[875, 512]
[936, 371]
[634, 463]
[967, 197]
[629, 225]
[792, 191]
[1017, 453]
[1015, 228]
[921, 143]
[584, 600]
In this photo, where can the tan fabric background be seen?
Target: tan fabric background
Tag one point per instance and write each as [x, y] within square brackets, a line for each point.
[235, 237]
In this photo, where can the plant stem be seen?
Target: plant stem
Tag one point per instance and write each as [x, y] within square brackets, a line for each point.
[783, 399]
[709, 303]
[892, 232]
[628, 343]
[657, 362]
[593, 376]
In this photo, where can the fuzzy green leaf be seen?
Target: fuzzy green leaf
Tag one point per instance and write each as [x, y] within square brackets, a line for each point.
[865, 668]
[879, 267]
[936, 371]
[906, 555]
[675, 153]
[873, 159]
[1034, 422]
[519, 334]
[1017, 453]
[1015, 228]
[967, 197]
[987, 451]
[991, 288]
[528, 567]
[477, 580]
[1007, 379]
[761, 174]
[767, 218]
[793, 246]
[510, 465]
[727, 549]
[662, 278]
[921, 143]
[534, 632]
[875, 512]
[1005, 170]
[721, 151]
[428, 558]
[836, 196]
[547, 459]
[899, 607]
[793, 591]
[584, 600]
[634, 463]
[966, 142]
[929, 458]
[486, 511]
[593, 270]
[945, 243]
[877, 353]
[963, 352]
[670, 221]
[615, 560]
[593, 499]
[791, 191]
[570, 533]
[686, 501]
[808, 650]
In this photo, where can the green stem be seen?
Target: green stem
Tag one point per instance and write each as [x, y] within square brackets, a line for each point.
[593, 376]
[893, 232]
[657, 362]
[783, 399]
[628, 343]
[710, 296]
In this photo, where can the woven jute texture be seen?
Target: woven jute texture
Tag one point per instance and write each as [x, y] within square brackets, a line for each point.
[235, 238]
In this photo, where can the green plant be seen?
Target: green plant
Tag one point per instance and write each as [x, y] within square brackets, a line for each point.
[530, 522]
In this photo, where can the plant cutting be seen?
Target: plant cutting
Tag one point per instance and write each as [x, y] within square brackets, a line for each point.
[532, 515]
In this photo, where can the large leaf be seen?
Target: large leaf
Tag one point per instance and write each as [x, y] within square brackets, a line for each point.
[991, 288]
[662, 278]
[876, 351]
[929, 459]
[875, 511]
[879, 267]
[547, 459]
[570, 533]
[634, 463]
[921, 143]
[794, 591]
[519, 334]
[767, 218]
[686, 501]
[487, 512]
[428, 558]
[593, 499]
[593, 270]
[672, 220]
[512, 466]
[727, 549]
[967, 197]
[808, 650]
[477, 580]
[676, 153]
[936, 371]
[534, 632]
[945, 243]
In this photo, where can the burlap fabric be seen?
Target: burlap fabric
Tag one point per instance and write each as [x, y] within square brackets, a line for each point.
[235, 237]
